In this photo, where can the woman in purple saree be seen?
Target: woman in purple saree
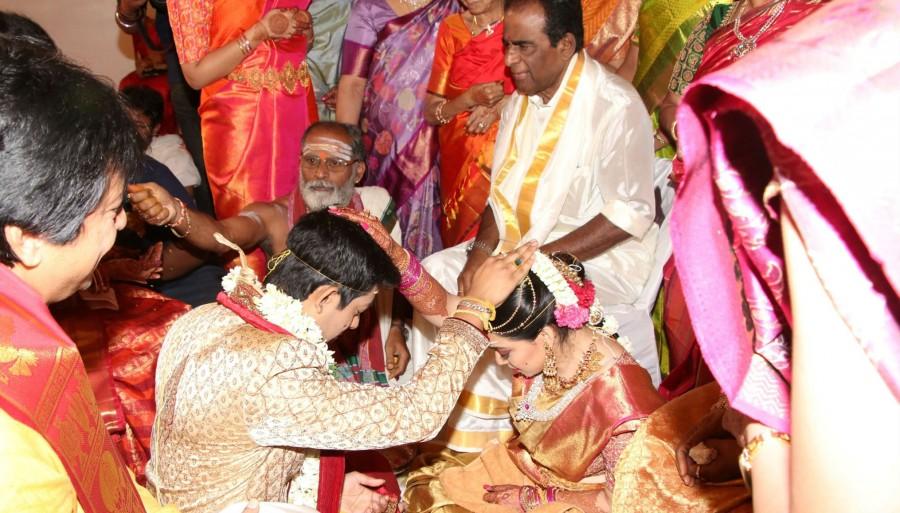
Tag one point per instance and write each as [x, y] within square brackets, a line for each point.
[386, 62]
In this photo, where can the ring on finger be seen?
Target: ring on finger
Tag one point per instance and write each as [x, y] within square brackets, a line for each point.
[518, 261]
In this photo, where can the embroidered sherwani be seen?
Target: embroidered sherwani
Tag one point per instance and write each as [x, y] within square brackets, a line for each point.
[238, 406]
[587, 151]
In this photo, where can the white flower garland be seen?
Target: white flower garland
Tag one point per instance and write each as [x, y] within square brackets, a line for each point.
[554, 280]
[304, 489]
[285, 312]
[609, 326]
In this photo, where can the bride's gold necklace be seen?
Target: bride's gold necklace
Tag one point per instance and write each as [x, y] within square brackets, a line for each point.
[553, 382]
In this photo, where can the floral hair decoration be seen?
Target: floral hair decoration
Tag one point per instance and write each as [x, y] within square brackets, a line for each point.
[574, 297]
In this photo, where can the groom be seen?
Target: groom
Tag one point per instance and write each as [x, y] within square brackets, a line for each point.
[245, 396]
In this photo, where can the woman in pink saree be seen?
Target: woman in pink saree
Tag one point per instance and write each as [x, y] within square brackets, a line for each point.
[712, 46]
[249, 58]
[785, 236]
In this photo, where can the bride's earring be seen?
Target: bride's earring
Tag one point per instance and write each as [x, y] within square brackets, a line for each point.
[549, 360]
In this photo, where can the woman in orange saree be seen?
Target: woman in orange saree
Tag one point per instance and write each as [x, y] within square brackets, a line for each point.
[468, 59]
[249, 58]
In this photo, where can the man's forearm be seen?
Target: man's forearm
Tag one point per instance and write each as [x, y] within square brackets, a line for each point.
[487, 230]
[199, 229]
[593, 239]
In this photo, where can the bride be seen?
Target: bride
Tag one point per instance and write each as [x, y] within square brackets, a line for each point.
[577, 398]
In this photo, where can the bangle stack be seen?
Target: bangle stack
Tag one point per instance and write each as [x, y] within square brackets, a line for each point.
[183, 215]
[130, 24]
[244, 44]
[531, 497]
[483, 310]
[410, 276]
[439, 113]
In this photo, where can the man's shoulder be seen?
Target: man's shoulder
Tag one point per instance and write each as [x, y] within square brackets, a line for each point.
[607, 87]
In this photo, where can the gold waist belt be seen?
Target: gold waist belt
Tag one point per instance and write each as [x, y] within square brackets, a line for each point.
[273, 79]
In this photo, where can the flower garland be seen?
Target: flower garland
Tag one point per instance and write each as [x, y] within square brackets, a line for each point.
[283, 311]
[573, 299]
[304, 490]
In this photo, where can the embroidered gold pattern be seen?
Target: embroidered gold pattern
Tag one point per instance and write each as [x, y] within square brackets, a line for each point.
[19, 361]
[271, 79]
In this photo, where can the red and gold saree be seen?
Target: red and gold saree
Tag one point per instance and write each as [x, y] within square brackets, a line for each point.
[461, 61]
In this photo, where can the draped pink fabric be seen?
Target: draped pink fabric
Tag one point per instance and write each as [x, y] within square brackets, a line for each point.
[810, 123]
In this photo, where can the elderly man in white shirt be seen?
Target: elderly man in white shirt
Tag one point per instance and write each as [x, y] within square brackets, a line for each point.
[574, 170]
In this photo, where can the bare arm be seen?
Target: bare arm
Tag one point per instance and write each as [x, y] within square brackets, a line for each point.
[854, 445]
[590, 240]
[275, 24]
[157, 207]
[350, 99]
[486, 241]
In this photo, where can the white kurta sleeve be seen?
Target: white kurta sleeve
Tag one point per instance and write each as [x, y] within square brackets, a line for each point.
[623, 164]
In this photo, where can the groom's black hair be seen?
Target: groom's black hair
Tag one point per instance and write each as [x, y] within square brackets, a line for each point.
[330, 250]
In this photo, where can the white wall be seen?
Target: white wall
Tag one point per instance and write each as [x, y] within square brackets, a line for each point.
[85, 31]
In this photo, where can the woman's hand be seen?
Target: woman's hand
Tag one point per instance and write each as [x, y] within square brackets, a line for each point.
[376, 230]
[153, 203]
[358, 495]
[481, 119]
[487, 94]
[286, 23]
[710, 426]
[499, 275]
[330, 98]
[503, 495]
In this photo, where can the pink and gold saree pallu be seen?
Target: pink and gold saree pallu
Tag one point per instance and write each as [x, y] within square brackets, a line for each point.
[726, 221]
[461, 61]
[253, 119]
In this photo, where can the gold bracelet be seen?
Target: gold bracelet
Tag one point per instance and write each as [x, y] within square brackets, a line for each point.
[745, 462]
[476, 304]
[485, 323]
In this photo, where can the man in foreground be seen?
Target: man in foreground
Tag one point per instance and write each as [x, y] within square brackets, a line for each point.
[245, 384]
[67, 147]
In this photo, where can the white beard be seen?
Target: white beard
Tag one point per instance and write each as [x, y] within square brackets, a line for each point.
[320, 200]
